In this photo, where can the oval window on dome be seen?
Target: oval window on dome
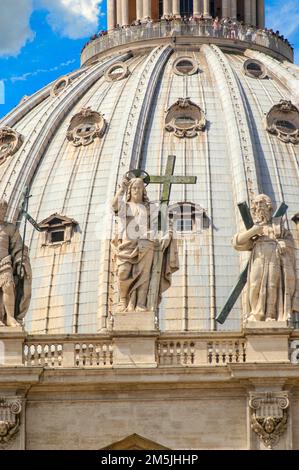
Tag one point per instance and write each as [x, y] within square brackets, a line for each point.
[254, 69]
[185, 66]
[117, 72]
[59, 86]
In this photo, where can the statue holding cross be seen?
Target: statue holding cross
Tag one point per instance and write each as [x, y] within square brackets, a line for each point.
[271, 274]
[145, 247]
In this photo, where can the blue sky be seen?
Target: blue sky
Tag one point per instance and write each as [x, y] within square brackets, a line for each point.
[41, 40]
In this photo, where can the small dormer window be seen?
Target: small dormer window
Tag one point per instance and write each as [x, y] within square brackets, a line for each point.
[57, 230]
[187, 218]
[57, 237]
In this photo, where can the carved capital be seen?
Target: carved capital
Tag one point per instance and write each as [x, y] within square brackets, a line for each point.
[283, 121]
[10, 142]
[85, 127]
[10, 412]
[269, 415]
[185, 119]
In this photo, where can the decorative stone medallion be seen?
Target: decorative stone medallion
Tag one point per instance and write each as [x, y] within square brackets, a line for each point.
[184, 66]
[185, 118]
[283, 120]
[10, 411]
[269, 415]
[10, 142]
[255, 69]
[85, 127]
[117, 72]
[59, 86]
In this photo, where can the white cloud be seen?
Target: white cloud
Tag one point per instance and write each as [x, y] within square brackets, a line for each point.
[25, 76]
[283, 17]
[15, 29]
[73, 18]
[70, 18]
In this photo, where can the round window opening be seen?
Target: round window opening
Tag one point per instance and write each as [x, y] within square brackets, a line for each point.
[184, 66]
[116, 72]
[59, 86]
[254, 69]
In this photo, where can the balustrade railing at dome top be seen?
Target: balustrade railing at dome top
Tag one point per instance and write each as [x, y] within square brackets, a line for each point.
[151, 30]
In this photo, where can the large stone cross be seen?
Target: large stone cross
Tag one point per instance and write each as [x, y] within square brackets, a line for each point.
[168, 179]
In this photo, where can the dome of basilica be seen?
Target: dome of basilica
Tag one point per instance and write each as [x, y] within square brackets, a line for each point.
[223, 102]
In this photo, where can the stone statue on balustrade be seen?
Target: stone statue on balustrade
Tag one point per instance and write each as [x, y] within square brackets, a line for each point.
[135, 248]
[15, 273]
[271, 292]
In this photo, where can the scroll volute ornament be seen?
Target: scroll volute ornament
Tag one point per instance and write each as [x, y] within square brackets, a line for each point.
[10, 142]
[269, 416]
[283, 120]
[10, 412]
[185, 119]
[85, 127]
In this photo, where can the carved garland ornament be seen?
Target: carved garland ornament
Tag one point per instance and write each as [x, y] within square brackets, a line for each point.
[185, 118]
[283, 121]
[10, 142]
[10, 411]
[269, 416]
[85, 127]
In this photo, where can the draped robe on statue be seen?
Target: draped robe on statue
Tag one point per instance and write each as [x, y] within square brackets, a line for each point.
[135, 244]
[271, 283]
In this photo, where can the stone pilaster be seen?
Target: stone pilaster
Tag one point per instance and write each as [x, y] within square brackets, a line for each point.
[226, 8]
[111, 14]
[125, 12]
[261, 13]
[147, 9]
[176, 8]
[139, 9]
[167, 7]
[253, 12]
[247, 16]
[119, 12]
[197, 7]
[233, 8]
[206, 8]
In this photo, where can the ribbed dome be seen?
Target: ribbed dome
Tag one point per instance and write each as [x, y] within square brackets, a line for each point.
[234, 158]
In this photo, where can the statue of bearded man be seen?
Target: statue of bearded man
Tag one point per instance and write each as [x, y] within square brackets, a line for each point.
[271, 282]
